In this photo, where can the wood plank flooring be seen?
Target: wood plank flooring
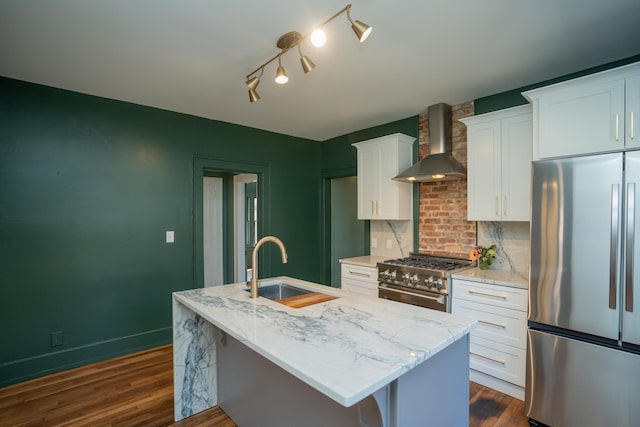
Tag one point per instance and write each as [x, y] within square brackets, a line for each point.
[137, 390]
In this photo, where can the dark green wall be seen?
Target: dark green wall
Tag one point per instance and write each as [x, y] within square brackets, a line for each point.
[88, 187]
[512, 98]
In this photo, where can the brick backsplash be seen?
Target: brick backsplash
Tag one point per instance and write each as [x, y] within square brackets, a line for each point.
[443, 228]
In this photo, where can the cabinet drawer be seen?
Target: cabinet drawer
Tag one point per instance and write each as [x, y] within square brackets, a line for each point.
[498, 360]
[498, 324]
[499, 296]
[359, 286]
[361, 273]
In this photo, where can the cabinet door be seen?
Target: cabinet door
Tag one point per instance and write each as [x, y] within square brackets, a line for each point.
[587, 118]
[483, 171]
[517, 139]
[368, 182]
[632, 113]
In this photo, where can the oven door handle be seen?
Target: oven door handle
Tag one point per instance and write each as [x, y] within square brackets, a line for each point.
[439, 299]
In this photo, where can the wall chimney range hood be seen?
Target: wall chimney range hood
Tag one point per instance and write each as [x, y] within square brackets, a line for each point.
[439, 165]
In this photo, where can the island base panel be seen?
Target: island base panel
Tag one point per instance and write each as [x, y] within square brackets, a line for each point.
[436, 392]
[254, 391]
[194, 362]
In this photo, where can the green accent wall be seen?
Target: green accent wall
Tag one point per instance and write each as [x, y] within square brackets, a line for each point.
[88, 187]
[512, 98]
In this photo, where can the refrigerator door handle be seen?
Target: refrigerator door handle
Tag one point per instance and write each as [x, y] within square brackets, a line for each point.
[613, 263]
[630, 240]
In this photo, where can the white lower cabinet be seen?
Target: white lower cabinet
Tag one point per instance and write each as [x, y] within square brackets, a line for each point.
[498, 345]
[361, 279]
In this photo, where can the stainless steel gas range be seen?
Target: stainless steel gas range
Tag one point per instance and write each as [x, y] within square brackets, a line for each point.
[419, 279]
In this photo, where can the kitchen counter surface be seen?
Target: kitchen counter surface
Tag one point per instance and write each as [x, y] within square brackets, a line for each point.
[367, 260]
[346, 348]
[496, 277]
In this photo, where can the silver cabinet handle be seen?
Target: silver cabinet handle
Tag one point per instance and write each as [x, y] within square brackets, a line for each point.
[631, 219]
[486, 294]
[504, 206]
[497, 325]
[617, 127]
[502, 362]
[613, 250]
[632, 126]
[373, 207]
[497, 211]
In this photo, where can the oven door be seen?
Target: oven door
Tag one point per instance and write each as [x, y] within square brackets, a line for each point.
[433, 300]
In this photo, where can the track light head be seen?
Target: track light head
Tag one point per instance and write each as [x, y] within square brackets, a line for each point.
[307, 64]
[253, 95]
[361, 29]
[281, 74]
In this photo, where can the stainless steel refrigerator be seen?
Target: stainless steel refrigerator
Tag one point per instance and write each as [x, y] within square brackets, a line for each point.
[583, 357]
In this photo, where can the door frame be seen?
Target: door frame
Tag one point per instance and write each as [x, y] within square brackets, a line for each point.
[326, 219]
[208, 165]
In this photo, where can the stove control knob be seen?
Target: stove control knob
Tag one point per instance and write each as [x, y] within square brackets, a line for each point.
[439, 284]
[392, 275]
[414, 279]
[385, 274]
[429, 281]
[405, 277]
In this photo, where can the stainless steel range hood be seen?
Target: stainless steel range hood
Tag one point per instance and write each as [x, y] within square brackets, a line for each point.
[439, 165]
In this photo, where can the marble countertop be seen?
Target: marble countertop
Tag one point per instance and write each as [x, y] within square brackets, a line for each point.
[366, 260]
[346, 348]
[509, 278]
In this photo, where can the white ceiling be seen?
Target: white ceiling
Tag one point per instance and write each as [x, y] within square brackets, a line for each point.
[192, 56]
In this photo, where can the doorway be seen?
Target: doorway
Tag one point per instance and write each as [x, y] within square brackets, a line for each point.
[243, 186]
[348, 233]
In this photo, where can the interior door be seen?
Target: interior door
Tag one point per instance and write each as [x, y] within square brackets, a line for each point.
[631, 283]
[212, 235]
[575, 242]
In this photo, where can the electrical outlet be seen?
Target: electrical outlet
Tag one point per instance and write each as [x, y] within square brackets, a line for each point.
[170, 237]
[57, 338]
[374, 242]
[389, 244]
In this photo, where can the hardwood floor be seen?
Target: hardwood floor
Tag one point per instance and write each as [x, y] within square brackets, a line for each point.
[137, 390]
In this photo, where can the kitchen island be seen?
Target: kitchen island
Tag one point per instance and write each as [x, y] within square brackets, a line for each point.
[353, 360]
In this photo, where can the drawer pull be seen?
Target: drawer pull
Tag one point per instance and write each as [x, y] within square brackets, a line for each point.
[491, 359]
[355, 273]
[498, 325]
[487, 295]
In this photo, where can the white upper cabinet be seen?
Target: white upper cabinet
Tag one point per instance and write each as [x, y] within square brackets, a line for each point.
[598, 113]
[499, 165]
[379, 160]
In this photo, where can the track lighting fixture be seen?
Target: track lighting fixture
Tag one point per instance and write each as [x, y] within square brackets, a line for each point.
[293, 39]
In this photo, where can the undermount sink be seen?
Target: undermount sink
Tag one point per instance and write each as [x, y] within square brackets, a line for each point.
[279, 291]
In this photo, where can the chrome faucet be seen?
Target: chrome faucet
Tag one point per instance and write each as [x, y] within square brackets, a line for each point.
[254, 261]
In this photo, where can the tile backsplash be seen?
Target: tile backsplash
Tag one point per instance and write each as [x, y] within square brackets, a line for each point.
[512, 240]
[396, 234]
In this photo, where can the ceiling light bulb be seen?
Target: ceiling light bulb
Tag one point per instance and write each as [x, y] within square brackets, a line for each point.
[437, 176]
[318, 37]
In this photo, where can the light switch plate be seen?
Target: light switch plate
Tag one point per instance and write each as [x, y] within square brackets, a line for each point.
[389, 244]
[374, 242]
[170, 237]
